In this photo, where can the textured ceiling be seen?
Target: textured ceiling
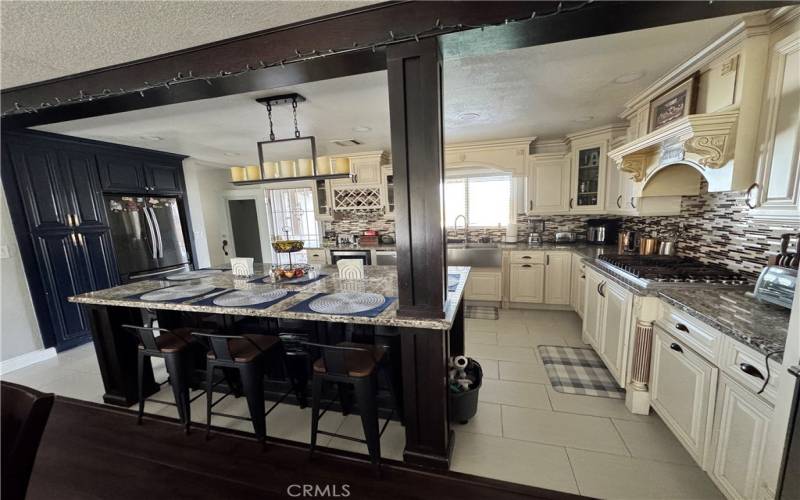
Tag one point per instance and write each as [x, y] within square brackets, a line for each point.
[537, 91]
[47, 39]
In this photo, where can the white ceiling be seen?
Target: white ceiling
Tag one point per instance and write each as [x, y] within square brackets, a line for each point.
[47, 39]
[536, 91]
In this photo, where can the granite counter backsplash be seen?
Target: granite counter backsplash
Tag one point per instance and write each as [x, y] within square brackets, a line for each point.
[763, 327]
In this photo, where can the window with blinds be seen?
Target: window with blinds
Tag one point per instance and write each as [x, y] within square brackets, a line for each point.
[485, 200]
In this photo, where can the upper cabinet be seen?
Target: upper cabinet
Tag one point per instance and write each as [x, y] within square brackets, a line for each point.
[776, 191]
[589, 163]
[136, 175]
[548, 183]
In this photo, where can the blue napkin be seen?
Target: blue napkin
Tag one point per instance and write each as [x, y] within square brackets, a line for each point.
[138, 296]
[303, 307]
[210, 301]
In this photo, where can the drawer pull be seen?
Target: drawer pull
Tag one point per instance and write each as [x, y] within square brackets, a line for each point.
[525, 265]
[682, 327]
[526, 257]
[675, 347]
[751, 370]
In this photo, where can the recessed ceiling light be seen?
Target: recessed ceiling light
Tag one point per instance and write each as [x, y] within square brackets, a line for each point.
[230, 153]
[628, 77]
[361, 129]
[151, 138]
[468, 116]
[582, 119]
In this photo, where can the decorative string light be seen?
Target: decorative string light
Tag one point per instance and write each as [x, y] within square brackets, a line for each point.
[181, 78]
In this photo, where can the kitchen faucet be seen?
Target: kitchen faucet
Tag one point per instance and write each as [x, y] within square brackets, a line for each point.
[455, 227]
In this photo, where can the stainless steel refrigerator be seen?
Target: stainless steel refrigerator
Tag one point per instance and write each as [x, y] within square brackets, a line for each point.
[148, 236]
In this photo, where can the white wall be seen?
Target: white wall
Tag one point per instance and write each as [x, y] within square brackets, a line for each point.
[205, 184]
[19, 330]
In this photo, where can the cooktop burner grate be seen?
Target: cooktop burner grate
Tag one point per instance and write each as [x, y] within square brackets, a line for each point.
[664, 270]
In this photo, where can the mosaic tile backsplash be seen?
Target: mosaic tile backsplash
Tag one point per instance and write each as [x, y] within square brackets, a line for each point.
[716, 228]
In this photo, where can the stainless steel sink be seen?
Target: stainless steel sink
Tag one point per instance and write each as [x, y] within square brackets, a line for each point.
[474, 255]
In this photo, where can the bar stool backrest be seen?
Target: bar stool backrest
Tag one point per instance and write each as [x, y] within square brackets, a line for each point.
[335, 357]
[146, 335]
[219, 344]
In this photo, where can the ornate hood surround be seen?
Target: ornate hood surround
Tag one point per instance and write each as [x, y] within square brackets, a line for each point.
[703, 141]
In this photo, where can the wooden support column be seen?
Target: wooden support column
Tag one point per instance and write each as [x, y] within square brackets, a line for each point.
[415, 107]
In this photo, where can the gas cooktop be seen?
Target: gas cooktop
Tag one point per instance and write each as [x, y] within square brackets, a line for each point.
[661, 270]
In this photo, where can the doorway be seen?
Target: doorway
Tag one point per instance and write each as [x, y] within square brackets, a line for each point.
[245, 229]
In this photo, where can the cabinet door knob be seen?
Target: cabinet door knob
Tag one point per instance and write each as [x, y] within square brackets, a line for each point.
[675, 347]
[682, 327]
[751, 370]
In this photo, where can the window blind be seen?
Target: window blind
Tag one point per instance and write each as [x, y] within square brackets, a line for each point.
[485, 200]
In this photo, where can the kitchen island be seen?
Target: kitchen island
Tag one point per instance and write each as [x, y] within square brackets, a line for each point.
[424, 344]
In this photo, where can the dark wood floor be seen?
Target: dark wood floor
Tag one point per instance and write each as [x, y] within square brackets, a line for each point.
[92, 451]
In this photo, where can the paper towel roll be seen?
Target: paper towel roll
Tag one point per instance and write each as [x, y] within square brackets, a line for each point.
[511, 233]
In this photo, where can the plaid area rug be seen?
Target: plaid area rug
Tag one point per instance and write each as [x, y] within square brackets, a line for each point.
[481, 312]
[573, 370]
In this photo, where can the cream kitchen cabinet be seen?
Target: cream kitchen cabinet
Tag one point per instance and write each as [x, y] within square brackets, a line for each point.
[615, 321]
[776, 192]
[484, 284]
[740, 433]
[507, 155]
[557, 271]
[682, 391]
[527, 283]
[366, 170]
[589, 164]
[592, 308]
[548, 183]
[578, 284]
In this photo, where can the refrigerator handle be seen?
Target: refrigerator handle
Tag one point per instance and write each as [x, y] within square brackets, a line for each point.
[158, 232]
[149, 223]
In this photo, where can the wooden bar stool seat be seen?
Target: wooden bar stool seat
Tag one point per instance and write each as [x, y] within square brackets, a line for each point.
[247, 348]
[177, 340]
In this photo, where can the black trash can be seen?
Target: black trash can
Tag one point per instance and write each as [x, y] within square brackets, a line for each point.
[464, 405]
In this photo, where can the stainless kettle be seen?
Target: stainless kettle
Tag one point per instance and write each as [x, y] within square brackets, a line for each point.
[628, 242]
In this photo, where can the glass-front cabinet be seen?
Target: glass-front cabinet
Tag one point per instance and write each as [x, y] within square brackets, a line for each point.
[322, 193]
[587, 193]
[387, 179]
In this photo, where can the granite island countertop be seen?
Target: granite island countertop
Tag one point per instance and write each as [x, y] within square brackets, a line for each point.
[763, 327]
[378, 279]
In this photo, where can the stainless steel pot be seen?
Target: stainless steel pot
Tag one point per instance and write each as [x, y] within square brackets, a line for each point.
[666, 248]
[628, 242]
[648, 246]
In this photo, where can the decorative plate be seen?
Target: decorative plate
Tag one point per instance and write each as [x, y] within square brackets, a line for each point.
[346, 303]
[241, 298]
[193, 275]
[176, 292]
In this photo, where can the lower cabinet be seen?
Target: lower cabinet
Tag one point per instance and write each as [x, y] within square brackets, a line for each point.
[484, 285]
[682, 388]
[740, 432]
[592, 309]
[558, 268]
[617, 304]
[527, 283]
[578, 284]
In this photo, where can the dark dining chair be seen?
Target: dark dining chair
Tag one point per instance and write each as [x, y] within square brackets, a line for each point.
[24, 416]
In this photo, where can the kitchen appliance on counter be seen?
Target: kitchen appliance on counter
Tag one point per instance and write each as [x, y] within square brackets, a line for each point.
[566, 237]
[148, 236]
[658, 270]
[385, 257]
[387, 239]
[369, 237]
[628, 242]
[364, 256]
[776, 285]
[602, 231]
[535, 230]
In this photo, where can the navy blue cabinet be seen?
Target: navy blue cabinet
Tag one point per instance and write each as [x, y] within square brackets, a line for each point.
[137, 175]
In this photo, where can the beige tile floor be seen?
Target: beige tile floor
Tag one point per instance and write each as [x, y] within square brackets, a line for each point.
[524, 432]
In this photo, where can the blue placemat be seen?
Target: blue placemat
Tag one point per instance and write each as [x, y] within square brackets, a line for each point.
[305, 280]
[210, 301]
[453, 288]
[138, 296]
[303, 307]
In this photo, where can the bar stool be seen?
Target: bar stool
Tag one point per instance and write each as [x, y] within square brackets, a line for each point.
[244, 353]
[357, 365]
[175, 348]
